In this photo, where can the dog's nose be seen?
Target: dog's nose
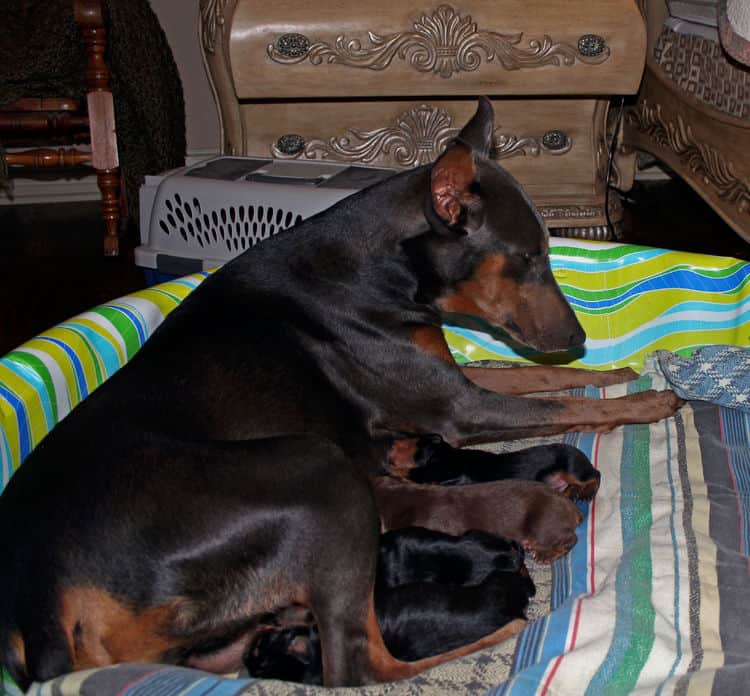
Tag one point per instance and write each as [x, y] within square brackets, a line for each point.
[577, 337]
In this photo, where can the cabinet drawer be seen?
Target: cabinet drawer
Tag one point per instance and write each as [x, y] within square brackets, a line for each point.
[293, 50]
[548, 144]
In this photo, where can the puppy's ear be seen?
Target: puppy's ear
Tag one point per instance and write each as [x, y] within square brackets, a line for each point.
[477, 133]
[451, 183]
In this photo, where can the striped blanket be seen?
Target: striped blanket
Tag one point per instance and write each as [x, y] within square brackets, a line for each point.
[651, 600]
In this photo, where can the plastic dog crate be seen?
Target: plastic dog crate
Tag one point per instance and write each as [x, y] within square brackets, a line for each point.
[199, 217]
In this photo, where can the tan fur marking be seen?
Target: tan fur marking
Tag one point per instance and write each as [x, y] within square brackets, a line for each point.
[401, 457]
[431, 340]
[486, 294]
[102, 630]
[18, 647]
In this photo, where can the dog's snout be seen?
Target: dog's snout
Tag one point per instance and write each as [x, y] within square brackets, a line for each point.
[577, 336]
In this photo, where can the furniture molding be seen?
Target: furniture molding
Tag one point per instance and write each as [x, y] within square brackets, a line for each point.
[706, 162]
[417, 137]
[388, 84]
[703, 145]
[212, 22]
[444, 43]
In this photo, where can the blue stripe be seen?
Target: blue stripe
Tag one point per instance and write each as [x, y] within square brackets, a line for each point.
[673, 534]
[32, 377]
[7, 460]
[736, 425]
[702, 306]
[673, 280]
[545, 640]
[19, 408]
[174, 681]
[217, 687]
[75, 362]
[136, 319]
[614, 350]
[594, 262]
[103, 347]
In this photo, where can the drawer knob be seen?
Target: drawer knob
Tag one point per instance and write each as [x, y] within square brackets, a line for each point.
[555, 140]
[290, 144]
[591, 45]
[293, 45]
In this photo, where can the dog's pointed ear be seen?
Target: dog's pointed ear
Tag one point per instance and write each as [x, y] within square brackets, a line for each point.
[454, 171]
[477, 133]
[450, 182]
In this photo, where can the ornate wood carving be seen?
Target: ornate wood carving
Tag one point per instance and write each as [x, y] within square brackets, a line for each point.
[702, 160]
[212, 21]
[444, 43]
[418, 137]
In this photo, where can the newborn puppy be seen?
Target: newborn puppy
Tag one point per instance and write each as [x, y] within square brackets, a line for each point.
[416, 554]
[474, 584]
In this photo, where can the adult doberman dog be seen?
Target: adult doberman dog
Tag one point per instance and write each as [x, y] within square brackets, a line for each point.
[225, 471]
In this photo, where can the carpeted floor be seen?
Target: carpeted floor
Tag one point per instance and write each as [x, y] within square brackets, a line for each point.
[53, 268]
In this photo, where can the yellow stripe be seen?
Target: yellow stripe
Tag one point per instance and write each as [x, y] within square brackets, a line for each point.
[33, 405]
[63, 360]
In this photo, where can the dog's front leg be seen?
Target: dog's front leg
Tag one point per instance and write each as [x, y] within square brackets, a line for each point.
[480, 416]
[543, 378]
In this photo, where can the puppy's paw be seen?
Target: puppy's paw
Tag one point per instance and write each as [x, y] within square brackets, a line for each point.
[572, 487]
[551, 525]
[563, 468]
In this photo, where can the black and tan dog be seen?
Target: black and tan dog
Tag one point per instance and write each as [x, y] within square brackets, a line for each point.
[224, 472]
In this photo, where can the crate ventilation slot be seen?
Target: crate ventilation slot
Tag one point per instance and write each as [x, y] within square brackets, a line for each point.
[236, 226]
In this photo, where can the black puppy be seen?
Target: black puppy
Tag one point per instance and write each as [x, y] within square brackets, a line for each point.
[415, 554]
[433, 592]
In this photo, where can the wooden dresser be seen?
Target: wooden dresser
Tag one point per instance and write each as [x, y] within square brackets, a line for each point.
[389, 83]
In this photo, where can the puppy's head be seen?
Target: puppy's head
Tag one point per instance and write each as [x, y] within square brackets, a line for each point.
[488, 252]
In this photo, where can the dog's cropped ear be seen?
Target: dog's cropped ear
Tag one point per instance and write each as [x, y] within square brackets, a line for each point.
[450, 182]
[455, 170]
[477, 133]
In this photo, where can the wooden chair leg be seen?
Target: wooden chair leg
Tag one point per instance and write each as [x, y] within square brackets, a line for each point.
[109, 185]
[88, 15]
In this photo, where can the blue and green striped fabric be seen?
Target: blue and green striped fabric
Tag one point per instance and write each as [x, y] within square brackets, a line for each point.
[43, 379]
[632, 301]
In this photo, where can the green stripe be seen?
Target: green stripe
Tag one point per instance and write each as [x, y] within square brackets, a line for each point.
[643, 616]
[124, 327]
[605, 253]
[40, 369]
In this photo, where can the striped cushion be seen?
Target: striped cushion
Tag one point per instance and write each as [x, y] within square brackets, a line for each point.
[43, 379]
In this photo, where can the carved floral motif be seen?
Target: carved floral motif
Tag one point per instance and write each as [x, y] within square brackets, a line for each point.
[418, 137]
[212, 20]
[444, 43]
[703, 160]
